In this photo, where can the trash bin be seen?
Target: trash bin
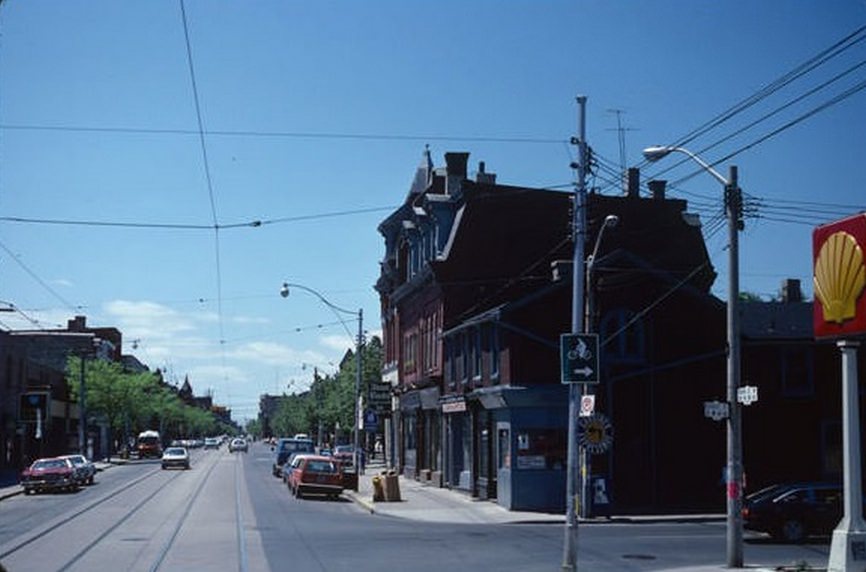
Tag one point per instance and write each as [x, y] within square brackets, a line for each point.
[378, 489]
[392, 486]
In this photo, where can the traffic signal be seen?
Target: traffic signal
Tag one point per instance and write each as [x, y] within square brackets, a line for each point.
[30, 403]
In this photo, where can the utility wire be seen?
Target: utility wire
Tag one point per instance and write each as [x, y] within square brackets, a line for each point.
[210, 190]
[208, 227]
[36, 277]
[282, 134]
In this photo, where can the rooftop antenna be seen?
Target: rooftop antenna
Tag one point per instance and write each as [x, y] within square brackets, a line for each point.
[621, 135]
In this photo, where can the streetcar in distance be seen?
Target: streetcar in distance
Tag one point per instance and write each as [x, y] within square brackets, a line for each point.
[149, 445]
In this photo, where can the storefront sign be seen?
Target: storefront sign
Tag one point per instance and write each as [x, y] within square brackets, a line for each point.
[454, 406]
[839, 257]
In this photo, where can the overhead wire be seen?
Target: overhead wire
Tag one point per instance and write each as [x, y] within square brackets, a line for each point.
[207, 172]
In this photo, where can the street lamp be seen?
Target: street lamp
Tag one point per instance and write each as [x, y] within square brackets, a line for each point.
[733, 204]
[610, 221]
[284, 292]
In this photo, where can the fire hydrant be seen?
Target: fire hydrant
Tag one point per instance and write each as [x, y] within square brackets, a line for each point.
[378, 489]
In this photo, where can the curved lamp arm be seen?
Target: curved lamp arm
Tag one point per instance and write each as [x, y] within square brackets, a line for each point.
[656, 153]
[284, 292]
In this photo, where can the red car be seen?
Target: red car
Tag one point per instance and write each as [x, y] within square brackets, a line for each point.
[315, 474]
[49, 474]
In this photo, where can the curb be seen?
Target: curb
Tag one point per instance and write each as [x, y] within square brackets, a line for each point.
[360, 501]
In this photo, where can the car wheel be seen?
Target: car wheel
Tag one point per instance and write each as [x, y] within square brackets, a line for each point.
[28, 491]
[792, 530]
[90, 480]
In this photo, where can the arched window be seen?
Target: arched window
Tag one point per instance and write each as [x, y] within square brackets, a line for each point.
[623, 336]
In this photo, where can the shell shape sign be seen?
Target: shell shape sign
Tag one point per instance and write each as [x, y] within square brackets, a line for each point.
[839, 257]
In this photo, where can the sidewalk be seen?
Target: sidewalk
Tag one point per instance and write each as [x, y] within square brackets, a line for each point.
[428, 503]
[432, 504]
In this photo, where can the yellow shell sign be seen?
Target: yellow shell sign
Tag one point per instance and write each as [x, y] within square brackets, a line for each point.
[840, 277]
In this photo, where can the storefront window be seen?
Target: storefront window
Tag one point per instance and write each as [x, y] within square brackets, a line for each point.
[539, 449]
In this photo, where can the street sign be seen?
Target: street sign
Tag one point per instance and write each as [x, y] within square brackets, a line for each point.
[371, 421]
[379, 398]
[747, 395]
[716, 410]
[587, 405]
[579, 358]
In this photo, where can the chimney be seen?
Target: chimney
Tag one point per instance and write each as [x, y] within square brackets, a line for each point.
[455, 168]
[483, 176]
[791, 291]
[77, 324]
[657, 188]
[632, 183]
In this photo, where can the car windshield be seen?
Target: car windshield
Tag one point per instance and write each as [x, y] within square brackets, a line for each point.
[316, 466]
[50, 464]
[174, 451]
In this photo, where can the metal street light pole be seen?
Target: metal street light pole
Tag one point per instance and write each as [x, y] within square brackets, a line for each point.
[569, 551]
[359, 362]
[733, 209]
[610, 221]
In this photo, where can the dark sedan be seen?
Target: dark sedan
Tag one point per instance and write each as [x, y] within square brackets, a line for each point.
[793, 512]
[84, 468]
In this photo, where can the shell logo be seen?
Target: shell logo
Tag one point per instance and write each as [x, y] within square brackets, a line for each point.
[840, 277]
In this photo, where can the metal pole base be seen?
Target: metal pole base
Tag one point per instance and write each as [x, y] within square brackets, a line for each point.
[848, 550]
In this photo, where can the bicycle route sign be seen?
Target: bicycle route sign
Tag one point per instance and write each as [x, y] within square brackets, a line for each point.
[579, 358]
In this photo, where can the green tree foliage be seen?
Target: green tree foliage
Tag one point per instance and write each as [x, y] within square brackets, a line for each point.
[330, 399]
[133, 402]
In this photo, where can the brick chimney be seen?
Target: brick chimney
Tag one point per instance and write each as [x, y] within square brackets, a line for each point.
[77, 324]
[657, 188]
[455, 168]
[791, 291]
[483, 176]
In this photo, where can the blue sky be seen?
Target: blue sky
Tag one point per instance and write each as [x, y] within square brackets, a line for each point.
[315, 108]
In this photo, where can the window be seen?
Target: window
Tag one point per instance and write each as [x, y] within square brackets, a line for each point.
[628, 345]
[494, 353]
[410, 352]
[451, 363]
[459, 363]
[796, 369]
[476, 353]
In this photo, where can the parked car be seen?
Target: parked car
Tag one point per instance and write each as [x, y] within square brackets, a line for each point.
[345, 455]
[315, 474]
[49, 474]
[286, 447]
[85, 471]
[212, 443]
[175, 457]
[290, 464]
[793, 512]
[238, 444]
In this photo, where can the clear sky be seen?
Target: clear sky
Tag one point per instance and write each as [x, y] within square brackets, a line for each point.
[312, 117]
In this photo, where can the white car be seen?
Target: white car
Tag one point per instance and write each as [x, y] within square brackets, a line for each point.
[175, 457]
[238, 444]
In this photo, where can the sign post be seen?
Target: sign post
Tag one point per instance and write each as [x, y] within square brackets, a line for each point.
[839, 311]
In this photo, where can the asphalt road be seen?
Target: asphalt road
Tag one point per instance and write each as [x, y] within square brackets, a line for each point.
[229, 513]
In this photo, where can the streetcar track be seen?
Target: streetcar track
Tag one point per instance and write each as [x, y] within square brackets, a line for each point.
[242, 543]
[113, 527]
[182, 520]
[243, 561]
[95, 503]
